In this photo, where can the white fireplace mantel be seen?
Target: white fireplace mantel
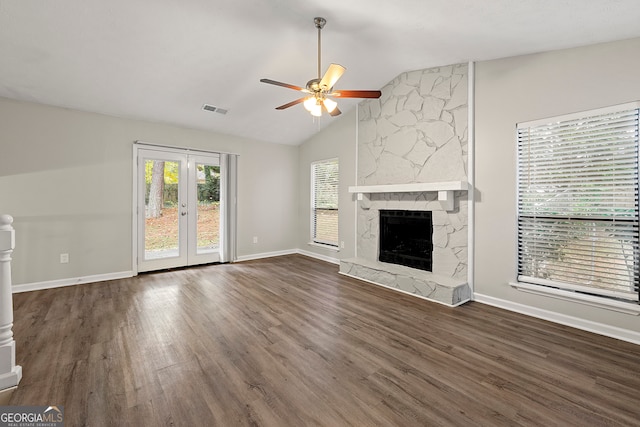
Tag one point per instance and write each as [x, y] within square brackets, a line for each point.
[445, 190]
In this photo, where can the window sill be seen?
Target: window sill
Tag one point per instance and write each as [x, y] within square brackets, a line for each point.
[320, 245]
[594, 301]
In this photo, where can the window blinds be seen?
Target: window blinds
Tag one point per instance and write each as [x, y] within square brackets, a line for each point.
[578, 202]
[324, 202]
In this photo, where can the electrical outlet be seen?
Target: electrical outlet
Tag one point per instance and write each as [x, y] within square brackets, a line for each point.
[342, 244]
[255, 239]
[64, 258]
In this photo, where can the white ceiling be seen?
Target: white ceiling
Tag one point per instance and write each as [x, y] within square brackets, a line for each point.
[161, 60]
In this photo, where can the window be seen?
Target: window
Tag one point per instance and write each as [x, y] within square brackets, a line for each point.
[324, 202]
[578, 202]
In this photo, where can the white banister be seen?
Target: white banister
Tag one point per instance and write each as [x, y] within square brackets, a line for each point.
[10, 373]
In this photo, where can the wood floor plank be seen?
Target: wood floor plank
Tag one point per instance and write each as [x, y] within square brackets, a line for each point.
[287, 341]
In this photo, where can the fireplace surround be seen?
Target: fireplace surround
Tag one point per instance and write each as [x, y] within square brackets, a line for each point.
[446, 282]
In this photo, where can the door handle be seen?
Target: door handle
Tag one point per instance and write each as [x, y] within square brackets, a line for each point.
[184, 213]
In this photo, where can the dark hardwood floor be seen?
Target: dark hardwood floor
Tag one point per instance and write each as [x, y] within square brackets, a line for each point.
[287, 341]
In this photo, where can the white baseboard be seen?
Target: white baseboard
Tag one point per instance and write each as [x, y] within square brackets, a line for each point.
[49, 284]
[289, 252]
[266, 255]
[563, 319]
[326, 258]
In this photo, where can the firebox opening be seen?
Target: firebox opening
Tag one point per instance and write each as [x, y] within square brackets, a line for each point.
[406, 238]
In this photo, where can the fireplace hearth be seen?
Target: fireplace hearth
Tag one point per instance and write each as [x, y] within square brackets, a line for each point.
[406, 238]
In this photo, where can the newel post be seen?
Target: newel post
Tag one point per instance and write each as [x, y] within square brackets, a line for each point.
[10, 374]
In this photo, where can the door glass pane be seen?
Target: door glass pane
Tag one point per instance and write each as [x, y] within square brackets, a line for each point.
[208, 227]
[161, 209]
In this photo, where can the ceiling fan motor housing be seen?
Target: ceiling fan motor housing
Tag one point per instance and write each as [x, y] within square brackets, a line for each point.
[314, 85]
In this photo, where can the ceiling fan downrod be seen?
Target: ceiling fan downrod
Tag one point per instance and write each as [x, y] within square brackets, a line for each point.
[320, 22]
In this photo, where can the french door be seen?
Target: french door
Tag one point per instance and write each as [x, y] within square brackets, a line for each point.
[178, 208]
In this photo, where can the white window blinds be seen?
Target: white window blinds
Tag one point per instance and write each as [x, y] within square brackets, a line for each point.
[324, 202]
[578, 202]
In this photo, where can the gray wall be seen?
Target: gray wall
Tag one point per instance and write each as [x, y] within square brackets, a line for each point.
[66, 177]
[267, 198]
[336, 140]
[525, 88]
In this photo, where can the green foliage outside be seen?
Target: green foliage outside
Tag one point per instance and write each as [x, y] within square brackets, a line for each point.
[208, 187]
[209, 190]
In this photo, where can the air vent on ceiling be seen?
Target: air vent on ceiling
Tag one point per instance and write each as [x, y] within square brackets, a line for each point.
[214, 109]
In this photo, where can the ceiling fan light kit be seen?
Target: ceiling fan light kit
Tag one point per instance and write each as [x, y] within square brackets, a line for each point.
[320, 90]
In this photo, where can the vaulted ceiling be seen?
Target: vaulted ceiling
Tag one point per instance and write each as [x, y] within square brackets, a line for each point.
[161, 60]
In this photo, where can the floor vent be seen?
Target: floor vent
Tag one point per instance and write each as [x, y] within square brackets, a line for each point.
[214, 109]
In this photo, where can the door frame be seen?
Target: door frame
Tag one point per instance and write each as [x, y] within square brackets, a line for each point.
[136, 147]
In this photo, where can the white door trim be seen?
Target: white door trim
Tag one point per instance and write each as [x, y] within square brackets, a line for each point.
[135, 228]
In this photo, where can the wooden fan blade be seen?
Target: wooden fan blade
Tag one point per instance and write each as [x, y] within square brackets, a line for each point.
[287, 85]
[291, 104]
[334, 72]
[357, 94]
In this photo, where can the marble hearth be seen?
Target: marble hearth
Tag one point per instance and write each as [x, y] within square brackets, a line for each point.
[424, 284]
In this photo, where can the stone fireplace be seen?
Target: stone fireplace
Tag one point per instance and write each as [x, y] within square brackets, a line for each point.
[412, 145]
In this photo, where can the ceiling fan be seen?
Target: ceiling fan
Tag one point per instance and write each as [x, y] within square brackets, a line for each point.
[320, 91]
